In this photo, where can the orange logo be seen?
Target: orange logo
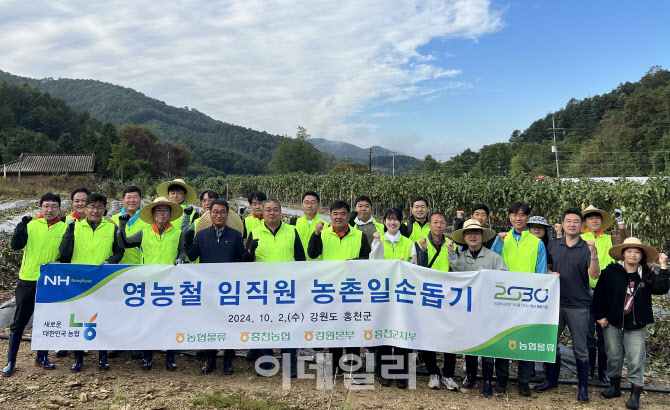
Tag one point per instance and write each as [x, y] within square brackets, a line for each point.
[244, 337]
[368, 334]
[512, 344]
[180, 337]
[309, 335]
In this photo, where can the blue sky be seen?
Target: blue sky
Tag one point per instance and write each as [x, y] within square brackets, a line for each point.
[420, 76]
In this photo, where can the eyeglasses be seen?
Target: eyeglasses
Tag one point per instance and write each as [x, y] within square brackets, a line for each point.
[218, 213]
[95, 208]
[439, 223]
[309, 202]
[51, 207]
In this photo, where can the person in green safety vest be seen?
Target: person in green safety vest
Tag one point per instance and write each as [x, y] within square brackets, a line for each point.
[78, 197]
[338, 242]
[432, 252]
[132, 205]
[91, 241]
[417, 226]
[160, 243]
[596, 223]
[362, 218]
[180, 193]
[40, 238]
[275, 241]
[306, 224]
[522, 252]
[253, 221]
[394, 246]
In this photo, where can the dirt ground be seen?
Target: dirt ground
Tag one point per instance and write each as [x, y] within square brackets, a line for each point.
[125, 386]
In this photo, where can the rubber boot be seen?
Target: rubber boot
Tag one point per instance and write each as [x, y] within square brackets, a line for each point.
[551, 378]
[103, 366]
[60, 353]
[602, 366]
[42, 360]
[634, 400]
[147, 359]
[210, 365]
[614, 390]
[487, 377]
[170, 364]
[228, 367]
[14, 343]
[583, 378]
[78, 361]
[592, 363]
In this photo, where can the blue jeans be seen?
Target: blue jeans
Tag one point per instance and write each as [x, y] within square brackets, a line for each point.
[632, 342]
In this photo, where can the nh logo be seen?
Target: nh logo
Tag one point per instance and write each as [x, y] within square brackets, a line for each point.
[57, 280]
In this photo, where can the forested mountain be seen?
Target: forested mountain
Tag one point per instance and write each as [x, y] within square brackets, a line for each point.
[216, 145]
[625, 132]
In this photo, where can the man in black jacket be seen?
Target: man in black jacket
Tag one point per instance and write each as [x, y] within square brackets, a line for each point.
[217, 244]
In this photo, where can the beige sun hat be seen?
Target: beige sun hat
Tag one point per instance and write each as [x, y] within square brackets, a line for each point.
[234, 221]
[191, 195]
[607, 218]
[146, 214]
[469, 225]
[616, 252]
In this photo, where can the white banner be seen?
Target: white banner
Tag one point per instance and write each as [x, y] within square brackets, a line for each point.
[296, 304]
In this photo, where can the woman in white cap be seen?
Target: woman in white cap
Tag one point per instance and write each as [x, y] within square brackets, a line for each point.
[622, 305]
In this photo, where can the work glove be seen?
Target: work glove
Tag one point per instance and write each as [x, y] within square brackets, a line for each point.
[252, 246]
[189, 236]
[352, 218]
[188, 210]
[178, 261]
[103, 263]
[123, 219]
[26, 219]
[618, 215]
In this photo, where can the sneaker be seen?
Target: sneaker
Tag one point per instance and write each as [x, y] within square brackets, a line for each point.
[450, 383]
[434, 382]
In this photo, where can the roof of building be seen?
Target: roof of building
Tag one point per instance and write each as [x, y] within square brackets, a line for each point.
[52, 163]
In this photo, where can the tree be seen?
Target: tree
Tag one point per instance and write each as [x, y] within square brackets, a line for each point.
[296, 155]
[346, 167]
[121, 158]
[429, 165]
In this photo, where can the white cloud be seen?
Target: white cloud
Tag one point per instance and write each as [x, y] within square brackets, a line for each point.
[268, 65]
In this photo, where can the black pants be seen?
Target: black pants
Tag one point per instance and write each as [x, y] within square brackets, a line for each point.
[25, 305]
[338, 352]
[400, 357]
[449, 368]
[524, 370]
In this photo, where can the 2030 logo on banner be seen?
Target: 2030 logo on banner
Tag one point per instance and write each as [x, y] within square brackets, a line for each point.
[521, 294]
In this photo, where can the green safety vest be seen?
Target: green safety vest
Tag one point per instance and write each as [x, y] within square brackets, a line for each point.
[160, 249]
[251, 223]
[305, 231]
[42, 247]
[177, 221]
[442, 261]
[71, 216]
[93, 247]
[418, 231]
[521, 256]
[603, 245]
[131, 256]
[336, 249]
[275, 248]
[401, 249]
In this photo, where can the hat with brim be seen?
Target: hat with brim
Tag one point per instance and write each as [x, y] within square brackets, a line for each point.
[538, 220]
[470, 225]
[191, 195]
[147, 212]
[616, 252]
[607, 218]
[234, 221]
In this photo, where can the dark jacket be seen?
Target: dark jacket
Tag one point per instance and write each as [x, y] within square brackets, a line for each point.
[610, 295]
[211, 249]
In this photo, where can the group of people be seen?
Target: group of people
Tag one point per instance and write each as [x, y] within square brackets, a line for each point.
[605, 281]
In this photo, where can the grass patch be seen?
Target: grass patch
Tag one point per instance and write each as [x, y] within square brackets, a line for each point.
[238, 401]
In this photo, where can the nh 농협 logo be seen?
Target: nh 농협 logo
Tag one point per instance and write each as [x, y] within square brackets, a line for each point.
[89, 327]
[521, 293]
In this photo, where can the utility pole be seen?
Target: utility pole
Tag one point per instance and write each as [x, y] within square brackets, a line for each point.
[370, 159]
[554, 148]
[393, 161]
[168, 165]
